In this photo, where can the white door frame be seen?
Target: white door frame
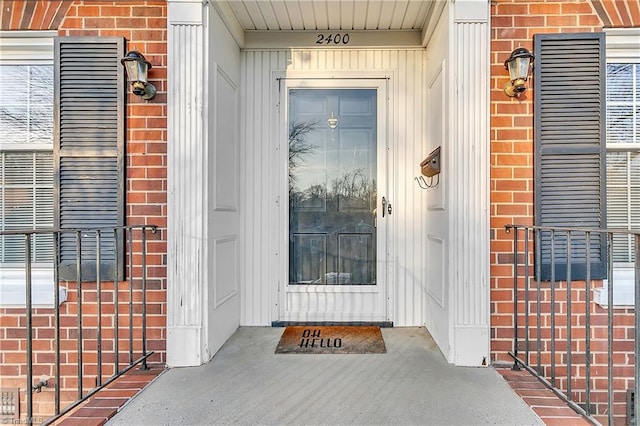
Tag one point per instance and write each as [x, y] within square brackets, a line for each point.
[293, 300]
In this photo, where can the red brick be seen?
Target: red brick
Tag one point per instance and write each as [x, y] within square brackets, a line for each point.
[130, 22]
[562, 21]
[589, 20]
[576, 8]
[153, 35]
[120, 10]
[98, 22]
[147, 160]
[115, 33]
[83, 33]
[502, 21]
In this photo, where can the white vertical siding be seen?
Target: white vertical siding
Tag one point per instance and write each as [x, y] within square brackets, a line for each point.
[186, 134]
[471, 192]
[262, 265]
[187, 266]
[470, 186]
[258, 190]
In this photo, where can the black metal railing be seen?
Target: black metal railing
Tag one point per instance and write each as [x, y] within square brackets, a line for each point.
[560, 335]
[121, 247]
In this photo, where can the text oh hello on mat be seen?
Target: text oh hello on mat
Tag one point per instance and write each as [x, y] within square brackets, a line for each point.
[331, 340]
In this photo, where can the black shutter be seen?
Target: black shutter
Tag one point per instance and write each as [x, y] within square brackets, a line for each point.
[89, 119]
[569, 134]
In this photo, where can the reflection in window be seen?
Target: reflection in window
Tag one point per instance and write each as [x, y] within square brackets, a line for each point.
[26, 104]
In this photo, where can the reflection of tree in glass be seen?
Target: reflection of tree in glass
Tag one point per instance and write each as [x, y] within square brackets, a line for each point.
[353, 185]
[299, 147]
[315, 195]
[354, 188]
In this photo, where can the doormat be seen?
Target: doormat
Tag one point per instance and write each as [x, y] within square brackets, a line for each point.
[301, 339]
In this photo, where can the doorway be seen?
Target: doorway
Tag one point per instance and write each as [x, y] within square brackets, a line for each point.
[338, 209]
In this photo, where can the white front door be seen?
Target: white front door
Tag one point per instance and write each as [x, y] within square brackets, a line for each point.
[338, 205]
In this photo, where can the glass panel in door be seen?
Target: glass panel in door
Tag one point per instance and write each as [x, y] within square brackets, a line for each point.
[332, 186]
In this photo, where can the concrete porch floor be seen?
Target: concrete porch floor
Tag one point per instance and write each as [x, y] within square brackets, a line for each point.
[247, 383]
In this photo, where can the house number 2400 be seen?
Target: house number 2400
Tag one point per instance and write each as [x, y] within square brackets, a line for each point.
[332, 39]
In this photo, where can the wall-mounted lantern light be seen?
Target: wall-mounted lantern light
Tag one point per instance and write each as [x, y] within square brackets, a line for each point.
[137, 68]
[519, 67]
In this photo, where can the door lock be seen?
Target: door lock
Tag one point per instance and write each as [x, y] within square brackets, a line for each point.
[386, 207]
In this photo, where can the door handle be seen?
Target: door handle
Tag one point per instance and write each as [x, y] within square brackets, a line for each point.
[386, 207]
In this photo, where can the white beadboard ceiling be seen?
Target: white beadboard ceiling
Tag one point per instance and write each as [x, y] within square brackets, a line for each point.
[274, 15]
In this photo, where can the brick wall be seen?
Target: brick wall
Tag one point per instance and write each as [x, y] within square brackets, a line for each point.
[143, 24]
[514, 23]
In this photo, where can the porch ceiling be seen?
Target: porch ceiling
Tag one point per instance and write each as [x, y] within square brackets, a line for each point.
[265, 15]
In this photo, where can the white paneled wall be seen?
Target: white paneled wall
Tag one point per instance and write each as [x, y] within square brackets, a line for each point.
[262, 169]
[186, 251]
[470, 191]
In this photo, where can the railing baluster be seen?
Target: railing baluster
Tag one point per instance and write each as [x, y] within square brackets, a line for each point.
[569, 299]
[526, 295]
[636, 279]
[587, 325]
[610, 329]
[553, 307]
[79, 307]
[56, 296]
[144, 297]
[130, 231]
[116, 301]
[515, 296]
[538, 261]
[99, 302]
[28, 303]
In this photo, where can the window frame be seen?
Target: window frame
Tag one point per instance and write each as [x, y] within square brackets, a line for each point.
[28, 48]
[622, 47]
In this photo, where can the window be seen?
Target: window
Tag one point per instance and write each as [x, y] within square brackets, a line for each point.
[26, 161]
[623, 155]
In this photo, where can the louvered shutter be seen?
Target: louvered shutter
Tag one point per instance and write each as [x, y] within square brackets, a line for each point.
[89, 117]
[569, 135]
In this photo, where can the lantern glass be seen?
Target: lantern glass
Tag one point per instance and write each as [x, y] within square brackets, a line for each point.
[136, 70]
[519, 64]
[519, 69]
[522, 66]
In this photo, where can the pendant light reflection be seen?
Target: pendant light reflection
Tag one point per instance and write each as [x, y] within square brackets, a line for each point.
[332, 121]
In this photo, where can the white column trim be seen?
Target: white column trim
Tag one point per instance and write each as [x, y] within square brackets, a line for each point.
[469, 189]
[187, 273]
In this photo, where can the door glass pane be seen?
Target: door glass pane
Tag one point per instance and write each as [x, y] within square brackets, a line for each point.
[332, 186]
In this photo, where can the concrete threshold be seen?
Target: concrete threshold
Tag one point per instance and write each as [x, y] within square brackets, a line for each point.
[246, 383]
